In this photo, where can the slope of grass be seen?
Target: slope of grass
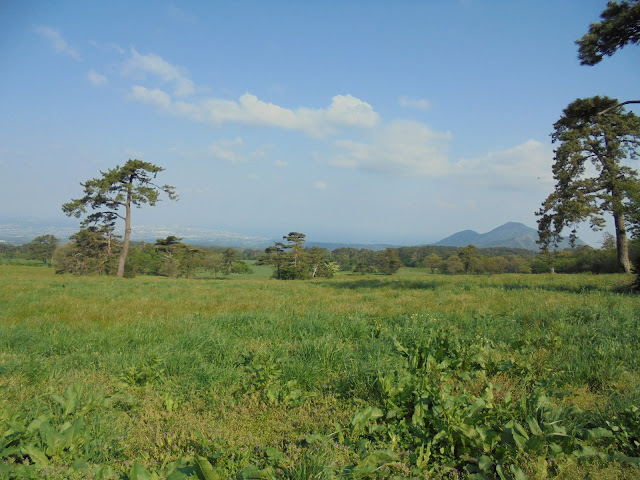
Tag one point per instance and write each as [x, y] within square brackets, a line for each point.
[146, 372]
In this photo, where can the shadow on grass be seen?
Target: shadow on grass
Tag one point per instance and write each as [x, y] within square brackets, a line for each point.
[619, 289]
[369, 283]
[390, 283]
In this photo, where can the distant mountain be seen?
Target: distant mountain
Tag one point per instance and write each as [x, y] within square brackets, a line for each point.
[461, 239]
[511, 234]
[22, 230]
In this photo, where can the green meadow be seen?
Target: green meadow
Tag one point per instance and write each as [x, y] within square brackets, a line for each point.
[360, 376]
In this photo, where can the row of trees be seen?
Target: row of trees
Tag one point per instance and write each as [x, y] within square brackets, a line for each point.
[91, 251]
[439, 259]
[473, 260]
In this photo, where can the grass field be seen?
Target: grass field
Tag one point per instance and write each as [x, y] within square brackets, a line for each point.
[406, 376]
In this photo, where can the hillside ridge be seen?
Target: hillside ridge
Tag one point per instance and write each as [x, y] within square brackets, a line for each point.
[510, 234]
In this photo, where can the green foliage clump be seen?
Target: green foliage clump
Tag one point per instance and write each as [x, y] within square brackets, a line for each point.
[66, 441]
[291, 261]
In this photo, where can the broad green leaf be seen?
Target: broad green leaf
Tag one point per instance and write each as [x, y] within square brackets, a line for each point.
[518, 473]
[72, 436]
[363, 470]
[274, 455]
[534, 426]
[619, 457]
[467, 431]
[206, 470]
[520, 429]
[500, 472]
[254, 473]
[36, 422]
[555, 448]
[485, 463]
[478, 405]
[586, 451]
[360, 420]
[597, 433]
[536, 443]
[36, 455]
[542, 467]
[520, 440]
[383, 456]
[51, 439]
[178, 475]
[422, 456]
[138, 472]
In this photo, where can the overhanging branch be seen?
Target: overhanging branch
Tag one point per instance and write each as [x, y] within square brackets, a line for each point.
[606, 110]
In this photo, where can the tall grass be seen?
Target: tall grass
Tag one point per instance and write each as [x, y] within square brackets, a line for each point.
[228, 360]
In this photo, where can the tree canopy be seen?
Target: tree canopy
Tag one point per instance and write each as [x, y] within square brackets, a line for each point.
[292, 261]
[42, 248]
[118, 188]
[620, 26]
[587, 137]
[89, 251]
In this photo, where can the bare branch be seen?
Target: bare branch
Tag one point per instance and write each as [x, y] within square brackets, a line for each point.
[621, 104]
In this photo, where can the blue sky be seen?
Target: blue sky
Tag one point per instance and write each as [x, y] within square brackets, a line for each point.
[362, 121]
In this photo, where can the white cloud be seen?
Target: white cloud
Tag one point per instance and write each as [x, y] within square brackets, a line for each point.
[416, 103]
[350, 111]
[320, 185]
[225, 149]
[408, 148]
[401, 147]
[96, 79]
[154, 97]
[524, 167]
[344, 111]
[155, 65]
[280, 164]
[58, 43]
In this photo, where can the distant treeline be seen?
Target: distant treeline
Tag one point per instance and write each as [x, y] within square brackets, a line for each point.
[93, 252]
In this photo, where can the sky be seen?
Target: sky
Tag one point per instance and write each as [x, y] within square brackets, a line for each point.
[360, 121]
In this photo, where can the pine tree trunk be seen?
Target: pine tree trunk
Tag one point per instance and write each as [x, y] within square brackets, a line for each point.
[127, 236]
[622, 243]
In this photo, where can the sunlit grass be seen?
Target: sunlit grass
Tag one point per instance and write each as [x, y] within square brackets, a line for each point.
[177, 345]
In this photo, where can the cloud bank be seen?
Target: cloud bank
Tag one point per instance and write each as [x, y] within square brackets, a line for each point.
[343, 111]
[402, 147]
